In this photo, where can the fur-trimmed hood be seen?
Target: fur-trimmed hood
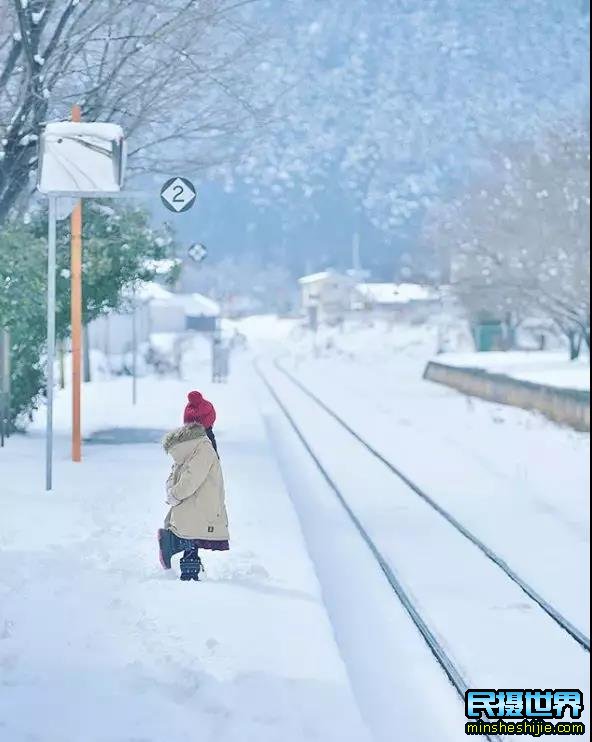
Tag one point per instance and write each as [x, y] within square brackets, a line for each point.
[184, 434]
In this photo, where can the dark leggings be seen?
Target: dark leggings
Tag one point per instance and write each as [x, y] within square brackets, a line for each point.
[190, 565]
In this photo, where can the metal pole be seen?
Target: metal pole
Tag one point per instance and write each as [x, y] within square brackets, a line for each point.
[51, 302]
[134, 350]
[3, 415]
[76, 317]
[7, 384]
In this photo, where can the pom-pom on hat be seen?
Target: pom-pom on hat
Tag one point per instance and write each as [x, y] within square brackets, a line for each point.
[199, 410]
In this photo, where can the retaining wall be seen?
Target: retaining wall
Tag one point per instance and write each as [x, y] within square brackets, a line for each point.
[565, 406]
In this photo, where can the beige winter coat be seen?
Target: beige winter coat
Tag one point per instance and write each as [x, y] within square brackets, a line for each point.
[195, 488]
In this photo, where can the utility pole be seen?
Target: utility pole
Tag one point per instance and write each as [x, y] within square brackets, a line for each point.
[87, 378]
[76, 316]
[51, 308]
[356, 255]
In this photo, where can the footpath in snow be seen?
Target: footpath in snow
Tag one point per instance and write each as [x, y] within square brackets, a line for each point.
[98, 644]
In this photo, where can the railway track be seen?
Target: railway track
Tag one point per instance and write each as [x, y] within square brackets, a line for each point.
[559, 619]
[450, 667]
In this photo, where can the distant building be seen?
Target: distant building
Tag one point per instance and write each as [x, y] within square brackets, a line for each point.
[156, 311]
[201, 313]
[409, 301]
[165, 313]
[326, 296]
[112, 333]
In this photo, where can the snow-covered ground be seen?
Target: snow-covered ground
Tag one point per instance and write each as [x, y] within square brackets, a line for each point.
[400, 689]
[463, 595]
[551, 368]
[98, 644]
[294, 634]
[516, 479]
[519, 482]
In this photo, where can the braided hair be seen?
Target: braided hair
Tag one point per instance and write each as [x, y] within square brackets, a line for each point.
[212, 437]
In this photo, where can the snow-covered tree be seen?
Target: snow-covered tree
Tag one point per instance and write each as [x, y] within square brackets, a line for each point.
[177, 75]
[392, 101]
[387, 101]
[518, 243]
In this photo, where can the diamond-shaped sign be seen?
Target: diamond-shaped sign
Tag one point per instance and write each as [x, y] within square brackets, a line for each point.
[178, 194]
[198, 252]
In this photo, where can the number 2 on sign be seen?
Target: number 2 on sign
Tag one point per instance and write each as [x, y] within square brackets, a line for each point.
[178, 197]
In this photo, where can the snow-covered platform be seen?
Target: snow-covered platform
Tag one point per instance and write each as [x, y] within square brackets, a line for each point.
[97, 643]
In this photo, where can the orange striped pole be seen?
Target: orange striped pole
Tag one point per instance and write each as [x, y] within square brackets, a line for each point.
[76, 316]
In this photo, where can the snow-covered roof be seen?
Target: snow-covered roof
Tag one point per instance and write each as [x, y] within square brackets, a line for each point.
[314, 277]
[197, 305]
[99, 129]
[396, 293]
[193, 305]
[149, 291]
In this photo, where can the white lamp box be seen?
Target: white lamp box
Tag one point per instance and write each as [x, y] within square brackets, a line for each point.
[81, 158]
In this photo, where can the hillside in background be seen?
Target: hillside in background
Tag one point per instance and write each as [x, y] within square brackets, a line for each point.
[402, 116]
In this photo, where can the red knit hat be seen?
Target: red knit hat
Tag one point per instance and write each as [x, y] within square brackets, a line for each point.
[199, 410]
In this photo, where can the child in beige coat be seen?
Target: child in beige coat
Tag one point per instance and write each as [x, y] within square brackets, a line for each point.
[197, 518]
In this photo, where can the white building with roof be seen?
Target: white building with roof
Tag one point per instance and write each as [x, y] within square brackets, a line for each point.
[329, 296]
[157, 311]
[201, 313]
[395, 293]
[326, 296]
[407, 300]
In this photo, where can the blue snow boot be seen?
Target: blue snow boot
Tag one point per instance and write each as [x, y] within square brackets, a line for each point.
[191, 566]
[168, 545]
